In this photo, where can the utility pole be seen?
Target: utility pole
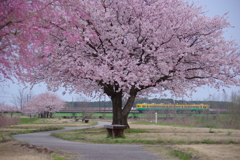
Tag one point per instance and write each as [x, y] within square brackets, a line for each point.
[99, 104]
[72, 102]
[104, 105]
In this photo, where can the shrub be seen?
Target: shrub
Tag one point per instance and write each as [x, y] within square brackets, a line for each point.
[6, 121]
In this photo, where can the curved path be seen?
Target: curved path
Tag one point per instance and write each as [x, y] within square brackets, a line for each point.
[88, 151]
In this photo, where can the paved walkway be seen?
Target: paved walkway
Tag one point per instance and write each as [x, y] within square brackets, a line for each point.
[88, 151]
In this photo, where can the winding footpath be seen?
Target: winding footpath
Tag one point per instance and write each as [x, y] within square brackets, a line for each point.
[86, 150]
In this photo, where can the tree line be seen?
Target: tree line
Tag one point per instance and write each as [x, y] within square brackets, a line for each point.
[108, 104]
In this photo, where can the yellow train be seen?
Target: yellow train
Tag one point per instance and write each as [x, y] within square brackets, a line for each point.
[179, 108]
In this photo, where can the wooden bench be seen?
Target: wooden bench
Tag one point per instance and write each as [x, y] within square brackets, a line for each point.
[115, 130]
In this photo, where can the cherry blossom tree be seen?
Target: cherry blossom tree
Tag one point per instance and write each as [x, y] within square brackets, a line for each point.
[24, 27]
[4, 119]
[2, 107]
[130, 47]
[12, 110]
[44, 104]
[8, 109]
[30, 109]
[14, 33]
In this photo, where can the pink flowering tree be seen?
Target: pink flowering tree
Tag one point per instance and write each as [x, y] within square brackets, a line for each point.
[4, 119]
[44, 104]
[25, 27]
[12, 110]
[30, 108]
[2, 107]
[8, 109]
[131, 47]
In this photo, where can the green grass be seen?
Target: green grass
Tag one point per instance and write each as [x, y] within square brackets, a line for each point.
[7, 136]
[28, 120]
[181, 155]
[71, 137]
[40, 129]
[162, 124]
[229, 133]
[100, 136]
[57, 157]
[134, 131]
[211, 131]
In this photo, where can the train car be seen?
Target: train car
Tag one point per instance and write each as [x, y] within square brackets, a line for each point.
[168, 108]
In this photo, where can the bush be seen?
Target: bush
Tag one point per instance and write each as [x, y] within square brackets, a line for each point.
[6, 121]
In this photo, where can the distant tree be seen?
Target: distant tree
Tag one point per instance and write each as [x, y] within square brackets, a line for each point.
[84, 106]
[9, 109]
[128, 48]
[2, 107]
[30, 109]
[4, 119]
[44, 104]
[22, 97]
[235, 107]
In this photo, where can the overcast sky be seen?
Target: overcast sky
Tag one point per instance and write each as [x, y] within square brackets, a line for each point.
[214, 7]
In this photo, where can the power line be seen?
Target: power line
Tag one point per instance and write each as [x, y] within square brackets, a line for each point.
[6, 96]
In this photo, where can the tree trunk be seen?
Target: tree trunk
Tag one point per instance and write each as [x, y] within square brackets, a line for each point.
[117, 109]
[120, 115]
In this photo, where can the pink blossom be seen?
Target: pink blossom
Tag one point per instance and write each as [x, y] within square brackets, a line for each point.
[43, 103]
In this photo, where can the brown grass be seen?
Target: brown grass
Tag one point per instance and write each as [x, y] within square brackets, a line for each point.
[13, 150]
[161, 151]
[202, 151]
[214, 152]
[185, 133]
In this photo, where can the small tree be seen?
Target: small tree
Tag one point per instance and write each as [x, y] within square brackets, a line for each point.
[22, 97]
[234, 109]
[30, 109]
[84, 106]
[45, 104]
[12, 110]
[8, 109]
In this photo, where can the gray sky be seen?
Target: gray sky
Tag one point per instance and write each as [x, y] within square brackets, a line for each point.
[214, 7]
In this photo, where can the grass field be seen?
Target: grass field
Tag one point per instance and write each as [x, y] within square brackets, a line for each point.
[166, 141]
